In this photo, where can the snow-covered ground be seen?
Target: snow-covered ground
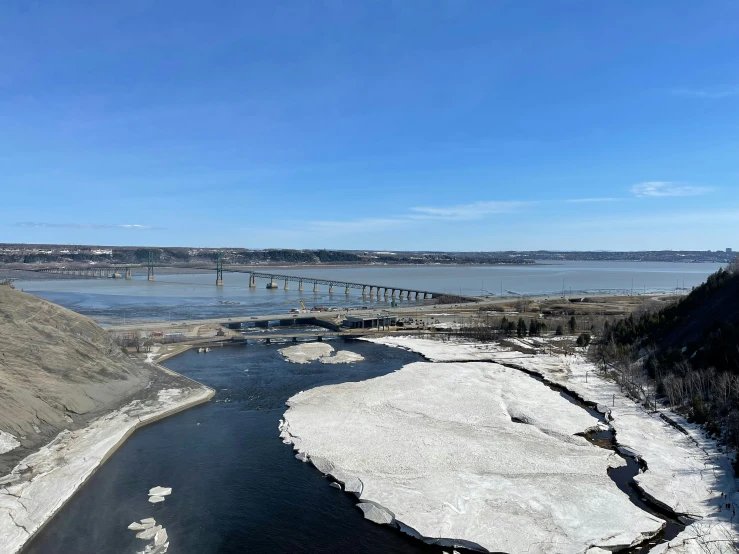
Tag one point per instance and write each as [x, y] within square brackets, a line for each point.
[685, 470]
[466, 454]
[8, 442]
[308, 352]
[40, 484]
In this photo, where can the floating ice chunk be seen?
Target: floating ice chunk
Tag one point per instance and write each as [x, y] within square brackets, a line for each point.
[160, 491]
[322, 464]
[149, 534]
[7, 442]
[155, 499]
[306, 353]
[135, 526]
[353, 484]
[376, 513]
[342, 357]
[161, 537]
[302, 456]
[149, 520]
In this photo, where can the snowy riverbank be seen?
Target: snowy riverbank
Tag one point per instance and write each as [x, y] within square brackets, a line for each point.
[42, 483]
[685, 472]
[465, 454]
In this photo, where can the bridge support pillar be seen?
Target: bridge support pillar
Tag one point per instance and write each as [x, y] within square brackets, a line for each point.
[287, 286]
[416, 297]
[425, 295]
[128, 273]
[300, 285]
[364, 291]
[408, 295]
[393, 294]
[331, 288]
[315, 287]
[385, 294]
[378, 293]
[347, 291]
[252, 282]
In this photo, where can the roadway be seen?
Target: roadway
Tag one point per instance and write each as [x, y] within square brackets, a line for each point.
[408, 311]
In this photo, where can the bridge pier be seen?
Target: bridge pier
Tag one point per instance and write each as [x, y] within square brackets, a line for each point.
[252, 282]
[364, 291]
[347, 290]
[378, 293]
[425, 295]
[315, 287]
[393, 295]
[384, 294]
[416, 297]
[128, 273]
[331, 288]
[287, 286]
[300, 285]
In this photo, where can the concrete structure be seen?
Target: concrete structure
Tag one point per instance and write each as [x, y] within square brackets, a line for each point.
[378, 321]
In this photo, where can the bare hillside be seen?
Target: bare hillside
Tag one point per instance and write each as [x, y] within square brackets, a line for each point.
[57, 370]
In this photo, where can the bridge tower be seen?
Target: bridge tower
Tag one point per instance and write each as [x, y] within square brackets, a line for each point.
[219, 271]
[151, 265]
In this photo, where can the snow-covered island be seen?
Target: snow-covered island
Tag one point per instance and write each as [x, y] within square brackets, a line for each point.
[469, 450]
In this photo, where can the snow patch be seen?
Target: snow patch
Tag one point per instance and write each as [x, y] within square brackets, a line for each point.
[8, 442]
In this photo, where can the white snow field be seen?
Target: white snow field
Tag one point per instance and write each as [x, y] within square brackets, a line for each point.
[43, 481]
[466, 454]
[311, 351]
[685, 470]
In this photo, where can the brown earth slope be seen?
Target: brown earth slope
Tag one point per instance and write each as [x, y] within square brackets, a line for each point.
[58, 369]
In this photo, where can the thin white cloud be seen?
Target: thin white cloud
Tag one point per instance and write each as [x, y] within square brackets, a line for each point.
[365, 224]
[657, 189]
[587, 200]
[475, 210]
[711, 93]
[130, 226]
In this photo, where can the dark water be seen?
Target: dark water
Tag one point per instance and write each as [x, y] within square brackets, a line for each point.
[236, 487]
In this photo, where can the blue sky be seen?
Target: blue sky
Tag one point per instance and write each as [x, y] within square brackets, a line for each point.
[429, 124]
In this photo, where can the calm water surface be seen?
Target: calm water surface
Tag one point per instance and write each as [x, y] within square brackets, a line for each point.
[185, 296]
[236, 487]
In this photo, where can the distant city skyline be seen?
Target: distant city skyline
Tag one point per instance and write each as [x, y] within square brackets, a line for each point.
[388, 125]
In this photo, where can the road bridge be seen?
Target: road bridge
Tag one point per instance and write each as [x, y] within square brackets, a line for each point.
[274, 279]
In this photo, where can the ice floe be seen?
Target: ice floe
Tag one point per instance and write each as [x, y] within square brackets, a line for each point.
[160, 491]
[311, 351]
[468, 454]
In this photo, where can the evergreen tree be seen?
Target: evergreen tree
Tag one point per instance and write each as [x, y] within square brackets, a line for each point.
[521, 330]
[572, 324]
[533, 328]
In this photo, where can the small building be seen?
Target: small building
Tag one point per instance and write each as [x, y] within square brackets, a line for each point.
[369, 322]
[729, 250]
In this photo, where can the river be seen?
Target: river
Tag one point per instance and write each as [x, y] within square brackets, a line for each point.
[191, 296]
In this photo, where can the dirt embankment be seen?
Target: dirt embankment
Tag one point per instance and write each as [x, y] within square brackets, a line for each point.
[58, 369]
